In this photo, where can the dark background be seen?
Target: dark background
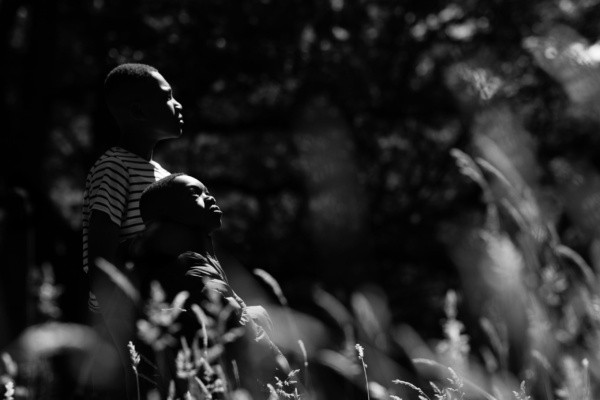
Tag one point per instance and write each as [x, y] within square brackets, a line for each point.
[323, 128]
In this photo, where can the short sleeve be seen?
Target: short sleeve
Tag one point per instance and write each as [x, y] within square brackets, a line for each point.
[109, 189]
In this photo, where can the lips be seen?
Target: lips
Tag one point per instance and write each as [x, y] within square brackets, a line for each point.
[215, 209]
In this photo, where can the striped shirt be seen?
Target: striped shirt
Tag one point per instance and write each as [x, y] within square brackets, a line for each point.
[114, 186]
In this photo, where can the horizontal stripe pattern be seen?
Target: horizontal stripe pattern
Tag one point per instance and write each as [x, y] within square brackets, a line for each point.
[114, 186]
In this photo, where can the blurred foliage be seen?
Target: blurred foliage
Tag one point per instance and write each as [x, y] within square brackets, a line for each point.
[323, 128]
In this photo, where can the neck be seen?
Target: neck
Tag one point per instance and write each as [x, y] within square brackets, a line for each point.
[202, 244]
[175, 238]
[139, 147]
[208, 245]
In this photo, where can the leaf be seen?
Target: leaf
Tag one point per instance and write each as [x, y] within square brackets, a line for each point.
[273, 284]
[180, 299]
[119, 279]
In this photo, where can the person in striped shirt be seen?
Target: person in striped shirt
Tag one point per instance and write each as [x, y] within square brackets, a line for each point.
[142, 103]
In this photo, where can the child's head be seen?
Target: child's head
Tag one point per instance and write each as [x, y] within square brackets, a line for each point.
[182, 199]
[142, 102]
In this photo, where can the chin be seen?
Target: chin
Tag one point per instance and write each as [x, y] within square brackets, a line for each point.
[174, 134]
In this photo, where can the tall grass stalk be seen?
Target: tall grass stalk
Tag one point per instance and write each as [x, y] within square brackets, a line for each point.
[361, 356]
[305, 357]
[135, 361]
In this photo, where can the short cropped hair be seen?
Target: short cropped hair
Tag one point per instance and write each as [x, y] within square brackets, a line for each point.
[154, 199]
[124, 79]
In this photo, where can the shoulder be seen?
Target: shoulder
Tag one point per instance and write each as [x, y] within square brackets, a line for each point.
[156, 164]
[192, 258]
[127, 159]
[111, 160]
[159, 171]
[197, 267]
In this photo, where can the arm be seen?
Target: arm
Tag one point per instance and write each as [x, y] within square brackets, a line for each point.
[103, 240]
[118, 310]
[108, 188]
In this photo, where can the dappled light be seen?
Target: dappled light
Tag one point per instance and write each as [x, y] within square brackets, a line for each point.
[410, 198]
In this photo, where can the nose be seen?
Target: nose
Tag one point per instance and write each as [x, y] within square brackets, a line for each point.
[178, 105]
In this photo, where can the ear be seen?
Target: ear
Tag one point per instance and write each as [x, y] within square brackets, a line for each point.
[136, 110]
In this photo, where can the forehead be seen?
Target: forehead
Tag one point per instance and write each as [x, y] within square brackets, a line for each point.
[185, 181]
[160, 81]
[155, 82]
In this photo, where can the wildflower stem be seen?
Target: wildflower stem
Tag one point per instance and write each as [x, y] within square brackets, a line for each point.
[361, 356]
[366, 380]
[137, 384]
[135, 360]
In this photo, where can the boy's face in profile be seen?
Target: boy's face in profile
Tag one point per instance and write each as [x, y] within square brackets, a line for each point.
[161, 111]
[193, 206]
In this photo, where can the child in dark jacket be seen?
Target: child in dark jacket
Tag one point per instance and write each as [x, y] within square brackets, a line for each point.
[176, 251]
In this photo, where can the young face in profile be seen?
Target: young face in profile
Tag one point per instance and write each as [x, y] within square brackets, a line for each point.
[192, 205]
[161, 111]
